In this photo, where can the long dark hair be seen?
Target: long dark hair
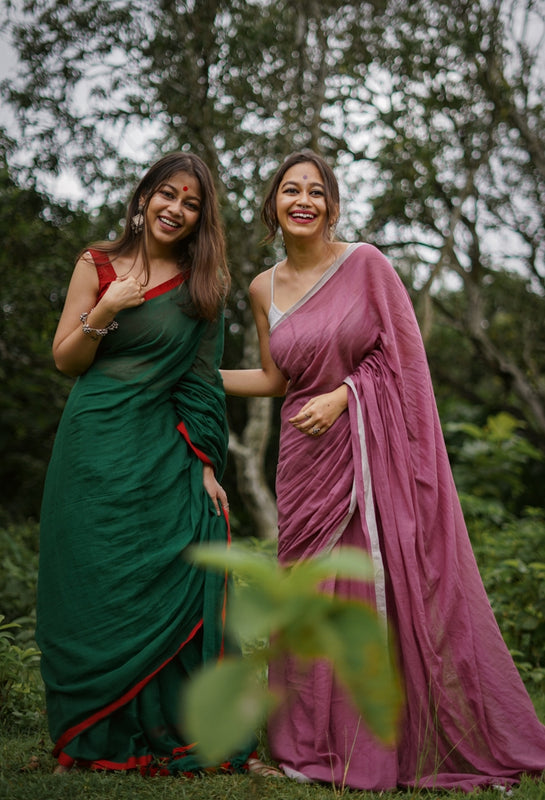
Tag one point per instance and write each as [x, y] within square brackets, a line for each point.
[331, 188]
[202, 253]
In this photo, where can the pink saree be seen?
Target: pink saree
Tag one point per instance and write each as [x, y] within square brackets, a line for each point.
[380, 480]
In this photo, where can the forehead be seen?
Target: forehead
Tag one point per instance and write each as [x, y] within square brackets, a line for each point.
[303, 173]
[184, 182]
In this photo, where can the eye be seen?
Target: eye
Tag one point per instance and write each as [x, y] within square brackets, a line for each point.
[193, 206]
[167, 193]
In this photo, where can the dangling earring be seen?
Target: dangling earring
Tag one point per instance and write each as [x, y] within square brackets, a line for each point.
[137, 222]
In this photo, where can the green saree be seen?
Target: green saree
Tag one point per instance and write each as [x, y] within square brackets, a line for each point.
[123, 617]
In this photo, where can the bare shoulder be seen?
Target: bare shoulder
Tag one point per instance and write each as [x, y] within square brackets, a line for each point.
[260, 287]
[85, 271]
[86, 261]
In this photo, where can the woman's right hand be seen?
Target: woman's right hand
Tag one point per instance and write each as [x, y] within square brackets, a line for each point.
[122, 293]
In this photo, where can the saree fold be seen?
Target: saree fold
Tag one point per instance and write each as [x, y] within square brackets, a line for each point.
[123, 617]
[380, 480]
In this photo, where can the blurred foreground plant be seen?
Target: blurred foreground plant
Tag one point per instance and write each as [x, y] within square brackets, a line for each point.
[227, 701]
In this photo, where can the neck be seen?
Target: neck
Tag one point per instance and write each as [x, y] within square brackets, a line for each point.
[160, 254]
[307, 255]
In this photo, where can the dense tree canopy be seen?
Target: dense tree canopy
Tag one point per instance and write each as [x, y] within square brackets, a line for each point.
[432, 113]
[37, 252]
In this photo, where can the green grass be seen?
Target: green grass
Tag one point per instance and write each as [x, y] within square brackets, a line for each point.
[17, 782]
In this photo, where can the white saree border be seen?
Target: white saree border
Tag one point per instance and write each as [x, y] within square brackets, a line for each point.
[370, 516]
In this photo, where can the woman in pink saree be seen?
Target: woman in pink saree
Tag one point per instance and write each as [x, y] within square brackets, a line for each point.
[363, 463]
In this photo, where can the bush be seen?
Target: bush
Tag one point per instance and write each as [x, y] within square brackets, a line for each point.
[18, 570]
[21, 687]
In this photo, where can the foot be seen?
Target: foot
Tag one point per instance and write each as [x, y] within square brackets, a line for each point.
[60, 769]
[257, 767]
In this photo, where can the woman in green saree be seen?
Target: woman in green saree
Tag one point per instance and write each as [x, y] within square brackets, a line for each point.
[123, 617]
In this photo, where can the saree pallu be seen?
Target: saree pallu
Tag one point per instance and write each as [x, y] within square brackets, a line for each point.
[379, 479]
[123, 617]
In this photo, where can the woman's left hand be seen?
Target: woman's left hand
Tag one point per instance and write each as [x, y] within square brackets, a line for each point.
[215, 490]
[321, 412]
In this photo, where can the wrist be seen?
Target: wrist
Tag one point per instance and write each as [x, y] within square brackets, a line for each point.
[95, 329]
[341, 396]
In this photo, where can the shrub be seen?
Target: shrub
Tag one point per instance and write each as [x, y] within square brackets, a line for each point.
[18, 570]
[21, 687]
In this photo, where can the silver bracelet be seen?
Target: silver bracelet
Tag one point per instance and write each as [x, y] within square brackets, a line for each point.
[96, 333]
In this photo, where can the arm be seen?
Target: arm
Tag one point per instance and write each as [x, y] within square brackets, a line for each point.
[74, 351]
[267, 381]
[214, 489]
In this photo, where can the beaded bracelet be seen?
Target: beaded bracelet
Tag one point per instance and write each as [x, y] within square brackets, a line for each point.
[96, 333]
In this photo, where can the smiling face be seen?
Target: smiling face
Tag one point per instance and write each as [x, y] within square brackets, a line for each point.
[174, 210]
[301, 206]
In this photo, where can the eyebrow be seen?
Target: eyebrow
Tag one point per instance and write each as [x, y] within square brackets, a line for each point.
[174, 189]
[296, 183]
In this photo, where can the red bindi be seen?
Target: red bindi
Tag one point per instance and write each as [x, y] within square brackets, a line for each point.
[185, 188]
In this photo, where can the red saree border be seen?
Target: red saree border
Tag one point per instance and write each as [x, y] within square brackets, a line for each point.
[199, 453]
[225, 587]
[162, 288]
[107, 274]
[65, 760]
[75, 730]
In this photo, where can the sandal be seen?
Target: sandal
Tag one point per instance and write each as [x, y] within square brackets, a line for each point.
[258, 767]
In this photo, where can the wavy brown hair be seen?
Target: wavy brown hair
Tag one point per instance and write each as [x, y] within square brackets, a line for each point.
[331, 189]
[202, 253]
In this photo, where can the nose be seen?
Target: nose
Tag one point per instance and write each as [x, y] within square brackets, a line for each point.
[176, 207]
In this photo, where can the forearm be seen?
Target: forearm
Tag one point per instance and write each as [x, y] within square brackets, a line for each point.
[75, 353]
[253, 383]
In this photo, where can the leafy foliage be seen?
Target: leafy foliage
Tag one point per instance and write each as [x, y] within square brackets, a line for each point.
[21, 688]
[40, 240]
[18, 570]
[287, 609]
[491, 461]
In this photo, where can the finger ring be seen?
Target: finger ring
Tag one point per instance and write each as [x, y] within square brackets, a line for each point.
[315, 431]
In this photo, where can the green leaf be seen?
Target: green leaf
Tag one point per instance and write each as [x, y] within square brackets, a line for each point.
[252, 566]
[222, 707]
[363, 662]
[346, 563]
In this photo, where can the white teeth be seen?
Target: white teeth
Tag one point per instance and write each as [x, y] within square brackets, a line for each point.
[301, 215]
[169, 222]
